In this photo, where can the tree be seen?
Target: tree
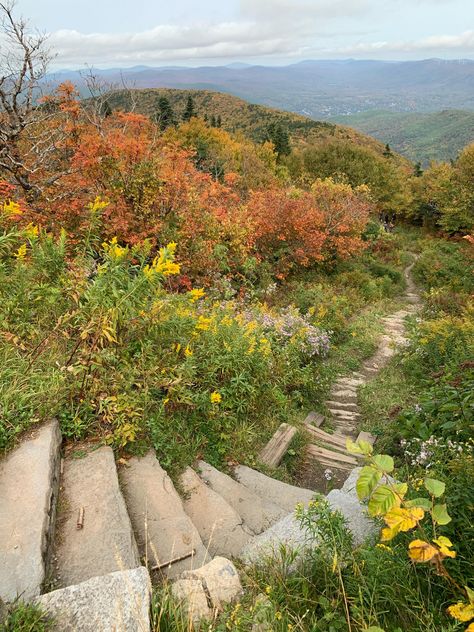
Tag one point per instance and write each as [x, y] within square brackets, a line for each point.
[387, 152]
[219, 121]
[24, 58]
[189, 112]
[165, 116]
[279, 136]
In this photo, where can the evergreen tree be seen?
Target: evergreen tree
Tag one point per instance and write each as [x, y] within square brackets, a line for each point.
[165, 114]
[280, 138]
[213, 121]
[418, 171]
[219, 121]
[387, 152]
[189, 111]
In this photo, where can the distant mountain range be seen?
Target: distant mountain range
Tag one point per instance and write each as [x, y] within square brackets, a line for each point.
[418, 136]
[318, 89]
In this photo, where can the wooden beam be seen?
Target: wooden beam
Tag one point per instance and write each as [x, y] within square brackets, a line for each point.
[276, 448]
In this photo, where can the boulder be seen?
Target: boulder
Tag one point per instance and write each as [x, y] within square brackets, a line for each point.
[115, 602]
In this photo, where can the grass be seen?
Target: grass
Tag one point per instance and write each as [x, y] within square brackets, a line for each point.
[21, 617]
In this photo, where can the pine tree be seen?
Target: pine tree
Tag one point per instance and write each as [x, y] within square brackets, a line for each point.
[418, 171]
[219, 121]
[279, 136]
[189, 111]
[387, 152]
[105, 109]
[213, 121]
[165, 116]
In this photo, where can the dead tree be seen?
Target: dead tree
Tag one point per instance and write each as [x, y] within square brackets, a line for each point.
[28, 144]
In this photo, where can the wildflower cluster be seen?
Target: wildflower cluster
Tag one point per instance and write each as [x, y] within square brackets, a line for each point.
[291, 326]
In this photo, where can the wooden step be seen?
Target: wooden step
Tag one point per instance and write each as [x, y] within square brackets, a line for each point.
[330, 455]
[276, 448]
[314, 419]
[338, 441]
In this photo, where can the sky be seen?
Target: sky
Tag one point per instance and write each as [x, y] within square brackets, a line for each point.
[111, 33]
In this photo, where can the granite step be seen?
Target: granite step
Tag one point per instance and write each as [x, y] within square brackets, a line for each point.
[257, 513]
[94, 536]
[219, 525]
[168, 541]
[282, 494]
[29, 481]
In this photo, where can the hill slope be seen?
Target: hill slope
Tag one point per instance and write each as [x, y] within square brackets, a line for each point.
[240, 116]
[418, 136]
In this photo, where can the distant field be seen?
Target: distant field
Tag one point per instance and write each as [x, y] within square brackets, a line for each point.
[418, 136]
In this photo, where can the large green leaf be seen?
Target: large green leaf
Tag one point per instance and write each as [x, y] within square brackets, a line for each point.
[423, 503]
[436, 488]
[367, 481]
[440, 514]
[384, 462]
[382, 500]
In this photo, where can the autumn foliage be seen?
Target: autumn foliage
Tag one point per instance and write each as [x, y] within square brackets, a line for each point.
[220, 197]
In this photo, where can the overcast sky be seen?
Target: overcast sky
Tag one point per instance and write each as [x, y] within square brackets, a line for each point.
[110, 33]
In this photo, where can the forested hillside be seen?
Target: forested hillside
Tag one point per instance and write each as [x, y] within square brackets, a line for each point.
[421, 137]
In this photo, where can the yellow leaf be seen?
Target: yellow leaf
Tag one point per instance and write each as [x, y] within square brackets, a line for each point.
[420, 551]
[445, 545]
[399, 519]
[462, 611]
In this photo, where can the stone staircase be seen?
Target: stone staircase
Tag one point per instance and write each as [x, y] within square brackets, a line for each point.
[86, 554]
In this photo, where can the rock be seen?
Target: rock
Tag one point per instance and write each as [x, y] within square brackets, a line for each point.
[358, 521]
[191, 596]
[344, 395]
[115, 602]
[257, 513]
[106, 542]
[164, 531]
[285, 534]
[29, 477]
[282, 494]
[219, 525]
[220, 581]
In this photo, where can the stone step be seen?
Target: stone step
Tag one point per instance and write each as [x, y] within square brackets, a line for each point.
[289, 533]
[29, 481]
[346, 414]
[117, 601]
[219, 525]
[342, 405]
[167, 539]
[333, 465]
[257, 513]
[366, 436]
[90, 495]
[349, 382]
[330, 455]
[282, 494]
[276, 448]
[344, 395]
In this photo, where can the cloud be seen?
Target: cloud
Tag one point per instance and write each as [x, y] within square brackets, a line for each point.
[462, 43]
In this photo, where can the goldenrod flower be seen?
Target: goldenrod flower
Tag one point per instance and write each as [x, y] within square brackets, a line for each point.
[20, 254]
[196, 294]
[11, 208]
[216, 398]
[188, 352]
[31, 231]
